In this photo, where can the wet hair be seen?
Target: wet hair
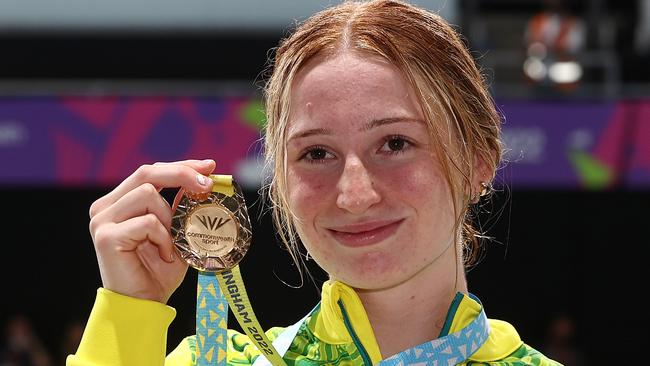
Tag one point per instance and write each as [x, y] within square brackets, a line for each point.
[462, 121]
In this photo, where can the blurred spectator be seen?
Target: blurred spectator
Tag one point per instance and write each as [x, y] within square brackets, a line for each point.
[71, 338]
[556, 29]
[554, 38]
[560, 344]
[642, 37]
[22, 347]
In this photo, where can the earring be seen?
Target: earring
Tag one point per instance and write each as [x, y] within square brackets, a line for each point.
[486, 188]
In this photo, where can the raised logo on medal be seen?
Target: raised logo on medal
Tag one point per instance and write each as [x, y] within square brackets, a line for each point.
[212, 232]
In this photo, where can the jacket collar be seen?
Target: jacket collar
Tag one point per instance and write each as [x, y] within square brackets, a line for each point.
[340, 304]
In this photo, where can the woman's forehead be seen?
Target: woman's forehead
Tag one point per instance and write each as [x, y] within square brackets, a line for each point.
[343, 70]
[350, 86]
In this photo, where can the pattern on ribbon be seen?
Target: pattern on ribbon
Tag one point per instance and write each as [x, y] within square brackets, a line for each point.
[452, 349]
[211, 321]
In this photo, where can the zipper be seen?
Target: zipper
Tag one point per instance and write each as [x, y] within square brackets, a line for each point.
[355, 339]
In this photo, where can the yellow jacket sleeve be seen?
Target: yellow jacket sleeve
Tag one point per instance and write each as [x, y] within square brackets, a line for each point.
[124, 331]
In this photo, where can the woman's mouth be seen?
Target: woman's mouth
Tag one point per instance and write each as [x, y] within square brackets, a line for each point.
[363, 234]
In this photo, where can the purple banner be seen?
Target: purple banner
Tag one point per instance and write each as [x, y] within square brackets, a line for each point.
[638, 172]
[594, 145]
[100, 140]
[80, 140]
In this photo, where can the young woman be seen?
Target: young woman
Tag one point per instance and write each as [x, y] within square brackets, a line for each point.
[382, 135]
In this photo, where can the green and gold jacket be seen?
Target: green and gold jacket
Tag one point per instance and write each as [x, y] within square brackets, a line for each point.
[126, 331]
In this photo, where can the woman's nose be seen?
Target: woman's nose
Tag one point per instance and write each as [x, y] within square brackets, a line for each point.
[356, 190]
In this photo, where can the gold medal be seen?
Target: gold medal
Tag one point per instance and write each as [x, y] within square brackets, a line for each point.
[213, 232]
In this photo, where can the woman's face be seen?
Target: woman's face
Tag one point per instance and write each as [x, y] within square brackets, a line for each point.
[372, 206]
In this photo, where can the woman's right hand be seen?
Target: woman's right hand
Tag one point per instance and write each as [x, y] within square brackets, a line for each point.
[130, 227]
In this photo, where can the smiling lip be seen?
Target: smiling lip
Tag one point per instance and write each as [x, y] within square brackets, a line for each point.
[359, 235]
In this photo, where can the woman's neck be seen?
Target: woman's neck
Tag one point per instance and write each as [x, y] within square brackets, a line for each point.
[414, 312]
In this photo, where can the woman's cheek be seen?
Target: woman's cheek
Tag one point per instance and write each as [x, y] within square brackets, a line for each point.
[413, 180]
[307, 193]
[308, 198]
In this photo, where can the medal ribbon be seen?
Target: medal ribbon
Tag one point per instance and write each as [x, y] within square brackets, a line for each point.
[214, 292]
[451, 349]
[211, 321]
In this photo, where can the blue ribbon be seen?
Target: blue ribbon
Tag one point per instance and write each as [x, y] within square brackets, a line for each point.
[211, 321]
[451, 349]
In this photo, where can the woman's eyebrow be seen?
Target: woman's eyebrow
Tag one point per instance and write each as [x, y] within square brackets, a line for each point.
[368, 126]
[310, 132]
[385, 121]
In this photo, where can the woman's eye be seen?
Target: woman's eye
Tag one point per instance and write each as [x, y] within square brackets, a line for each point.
[395, 144]
[316, 155]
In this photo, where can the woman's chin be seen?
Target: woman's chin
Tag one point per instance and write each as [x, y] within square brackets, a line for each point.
[372, 271]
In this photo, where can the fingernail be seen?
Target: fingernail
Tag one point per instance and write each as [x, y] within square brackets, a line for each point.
[171, 257]
[207, 162]
[201, 179]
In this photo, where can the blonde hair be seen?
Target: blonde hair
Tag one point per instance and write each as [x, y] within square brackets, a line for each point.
[462, 120]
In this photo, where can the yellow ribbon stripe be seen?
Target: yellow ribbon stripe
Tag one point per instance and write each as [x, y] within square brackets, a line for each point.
[222, 184]
[232, 287]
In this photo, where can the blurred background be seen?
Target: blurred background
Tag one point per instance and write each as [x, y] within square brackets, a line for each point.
[90, 90]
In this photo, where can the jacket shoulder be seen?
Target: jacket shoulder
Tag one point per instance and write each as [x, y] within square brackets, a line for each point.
[525, 355]
[504, 347]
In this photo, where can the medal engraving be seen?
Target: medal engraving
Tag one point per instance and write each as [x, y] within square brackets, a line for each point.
[212, 233]
[212, 230]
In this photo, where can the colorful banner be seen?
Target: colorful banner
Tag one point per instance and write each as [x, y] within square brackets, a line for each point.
[101, 140]
[592, 145]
